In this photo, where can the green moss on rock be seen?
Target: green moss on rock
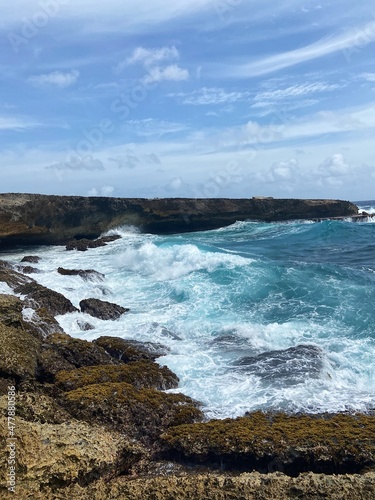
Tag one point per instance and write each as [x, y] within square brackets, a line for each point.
[11, 311]
[140, 374]
[36, 407]
[331, 443]
[193, 485]
[143, 413]
[19, 351]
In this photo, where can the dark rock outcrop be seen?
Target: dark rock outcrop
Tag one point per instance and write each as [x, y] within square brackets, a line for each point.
[11, 277]
[84, 244]
[86, 274]
[33, 259]
[78, 352]
[42, 323]
[102, 309]
[29, 270]
[36, 295]
[42, 219]
[285, 367]
[39, 324]
[54, 302]
[131, 350]
[84, 325]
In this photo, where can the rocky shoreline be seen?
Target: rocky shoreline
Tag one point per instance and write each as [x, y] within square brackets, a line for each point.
[92, 420]
[33, 219]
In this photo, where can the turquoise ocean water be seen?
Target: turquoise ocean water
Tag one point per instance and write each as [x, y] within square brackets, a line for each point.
[255, 316]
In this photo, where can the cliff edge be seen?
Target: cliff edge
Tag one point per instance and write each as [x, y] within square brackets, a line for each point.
[43, 219]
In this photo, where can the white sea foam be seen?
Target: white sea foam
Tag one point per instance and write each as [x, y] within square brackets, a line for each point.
[5, 288]
[123, 231]
[173, 262]
[28, 314]
[366, 206]
[369, 210]
[211, 307]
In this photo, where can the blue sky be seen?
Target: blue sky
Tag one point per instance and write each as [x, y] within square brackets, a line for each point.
[197, 98]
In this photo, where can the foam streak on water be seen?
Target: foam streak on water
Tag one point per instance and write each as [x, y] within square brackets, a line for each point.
[256, 316]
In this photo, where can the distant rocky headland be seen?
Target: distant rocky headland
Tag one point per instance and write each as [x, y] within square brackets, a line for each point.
[43, 219]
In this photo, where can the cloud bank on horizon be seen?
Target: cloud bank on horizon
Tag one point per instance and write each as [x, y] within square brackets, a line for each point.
[201, 98]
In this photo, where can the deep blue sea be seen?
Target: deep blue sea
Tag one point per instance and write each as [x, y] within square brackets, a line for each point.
[274, 316]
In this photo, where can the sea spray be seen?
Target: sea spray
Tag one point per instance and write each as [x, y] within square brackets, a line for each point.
[293, 299]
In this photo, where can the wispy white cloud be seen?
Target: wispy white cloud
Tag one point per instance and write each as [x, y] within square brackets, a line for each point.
[360, 119]
[286, 129]
[266, 108]
[149, 57]
[179, 43]
[370, 77]
[294, 91]
[17, 123]
[151, 127]
[138, 15]
[130, 14]
[292, 97]
[348, 40]
[172, 73]
[56, 78]
[213, 95]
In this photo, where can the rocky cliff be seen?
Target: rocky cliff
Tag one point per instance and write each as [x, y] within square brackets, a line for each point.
[43, 219]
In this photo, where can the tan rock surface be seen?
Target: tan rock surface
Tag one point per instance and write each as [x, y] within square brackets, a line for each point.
[247, 486]
[54, 456]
